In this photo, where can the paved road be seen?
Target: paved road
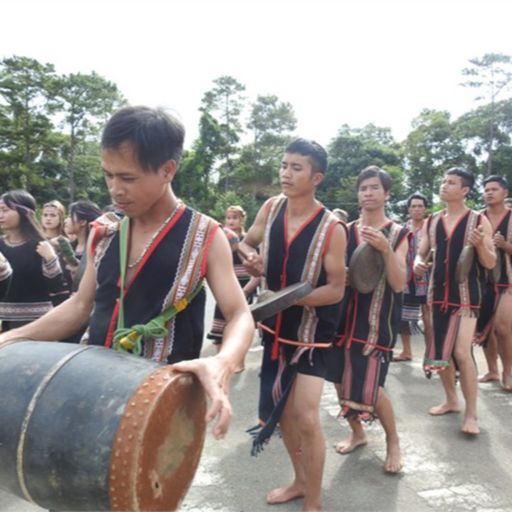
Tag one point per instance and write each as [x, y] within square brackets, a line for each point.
[444, 470]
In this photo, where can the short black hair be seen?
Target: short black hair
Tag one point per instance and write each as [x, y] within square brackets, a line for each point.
[373, 171]
[468, 180]
[155, 135]
[313, 150]
[417, 195]
[500, 180]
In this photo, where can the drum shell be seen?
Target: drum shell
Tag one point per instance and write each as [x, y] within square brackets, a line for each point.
[61, 406]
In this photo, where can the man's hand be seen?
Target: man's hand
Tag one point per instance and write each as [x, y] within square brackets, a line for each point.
[420, 268]
[214, 375]
[477, 237]
[375, 238]
[499, 241]
[7, 338]
[253, 263]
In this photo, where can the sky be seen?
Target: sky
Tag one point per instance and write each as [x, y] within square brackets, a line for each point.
[336, 61]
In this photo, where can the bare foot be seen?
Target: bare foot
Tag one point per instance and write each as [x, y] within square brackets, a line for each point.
[393, 462]
[350, 444]
[489, 377]
[470, 426]
[506, 383]
[314, 506]
[285, 494]
[439, 410]
[402, 357]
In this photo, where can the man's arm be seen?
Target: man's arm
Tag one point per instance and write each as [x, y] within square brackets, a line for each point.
[334, 264]
[252, 240]
[215, 372]
[230, 298]
[481, 238]
[421, 266]
[67, 318]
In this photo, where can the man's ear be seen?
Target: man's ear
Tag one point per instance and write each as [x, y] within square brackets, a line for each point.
[170, 167]
[318, 177]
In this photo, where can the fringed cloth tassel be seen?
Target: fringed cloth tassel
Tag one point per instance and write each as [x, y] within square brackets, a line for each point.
[262, 433]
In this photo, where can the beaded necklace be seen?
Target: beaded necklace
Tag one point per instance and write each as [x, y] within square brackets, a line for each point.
[154, 236]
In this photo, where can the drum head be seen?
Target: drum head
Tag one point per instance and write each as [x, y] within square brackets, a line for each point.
[274, 302]
[158, 443]
[464, 263]
[366, 268]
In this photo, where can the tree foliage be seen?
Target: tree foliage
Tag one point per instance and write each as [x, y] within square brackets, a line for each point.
[491, 75]
[50, 125]
[352, 150]
[84, 102]
[430, 148]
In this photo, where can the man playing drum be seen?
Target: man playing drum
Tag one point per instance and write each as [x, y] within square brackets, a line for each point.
[142, 287]
[455, 291]
[300, 241]
[494, 326]
[370, 319]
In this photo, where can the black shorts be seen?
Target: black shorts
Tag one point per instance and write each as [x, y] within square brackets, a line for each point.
[312, 363]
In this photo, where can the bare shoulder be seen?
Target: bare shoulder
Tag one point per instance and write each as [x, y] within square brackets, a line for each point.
[485, 223]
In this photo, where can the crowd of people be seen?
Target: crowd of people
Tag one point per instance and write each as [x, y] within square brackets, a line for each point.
[449, 272]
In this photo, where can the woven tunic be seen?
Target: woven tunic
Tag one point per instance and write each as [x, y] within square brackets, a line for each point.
[368, 331]
[493, 291]
[451, 301]
[34, 287]
[287, 262]
[173, 265]
[415, 292]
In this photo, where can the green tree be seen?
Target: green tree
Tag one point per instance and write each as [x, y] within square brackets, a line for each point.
[225, 103]
[85, 102]
[473, 129]
[272, 121]
[27, 139]
[193, 181]
[431, 147]
[491, 75]
[352, 150]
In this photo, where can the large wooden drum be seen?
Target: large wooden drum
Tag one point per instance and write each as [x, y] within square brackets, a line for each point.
[86, 428]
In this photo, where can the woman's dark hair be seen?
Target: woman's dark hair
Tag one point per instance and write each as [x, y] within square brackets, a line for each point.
[84, 209]
[25, 204]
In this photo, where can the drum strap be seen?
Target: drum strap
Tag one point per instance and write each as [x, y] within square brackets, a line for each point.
[129, 339]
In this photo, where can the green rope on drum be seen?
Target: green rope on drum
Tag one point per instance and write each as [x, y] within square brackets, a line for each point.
[129, 339]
